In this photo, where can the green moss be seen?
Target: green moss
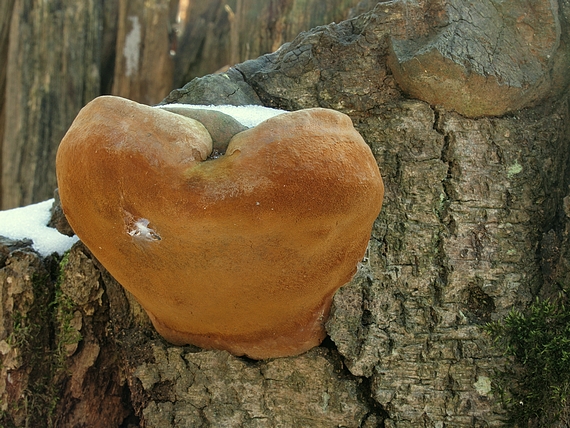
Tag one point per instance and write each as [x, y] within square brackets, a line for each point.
[64, 312]
[21, 331]
[535, 389]
[43, 335]
[30, 334]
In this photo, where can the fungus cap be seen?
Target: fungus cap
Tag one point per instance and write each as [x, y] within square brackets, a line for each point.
[243, 252]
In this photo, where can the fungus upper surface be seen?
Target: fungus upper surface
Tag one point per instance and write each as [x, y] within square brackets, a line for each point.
[241, 252]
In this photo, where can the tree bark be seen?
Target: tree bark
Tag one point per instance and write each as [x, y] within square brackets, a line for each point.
[5, 17]
[144, 65]
[61, 57]
[53, 70]
[218, 34]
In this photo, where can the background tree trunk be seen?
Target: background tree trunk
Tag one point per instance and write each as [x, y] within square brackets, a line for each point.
[53, 66]
[221, 33]
[5, 16]
[144, 65]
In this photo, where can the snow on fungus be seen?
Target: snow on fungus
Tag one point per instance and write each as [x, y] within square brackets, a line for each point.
[245, 249]
[249, 116]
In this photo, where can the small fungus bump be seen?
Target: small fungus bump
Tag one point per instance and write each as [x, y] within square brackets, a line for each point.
[222, 127]
[242, 251]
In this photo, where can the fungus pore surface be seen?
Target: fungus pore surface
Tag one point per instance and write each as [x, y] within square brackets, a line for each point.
[242, 251]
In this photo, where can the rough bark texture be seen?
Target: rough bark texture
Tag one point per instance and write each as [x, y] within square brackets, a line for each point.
[465, 252]
[475, 222]
[106, 359]
[53, 70]
[222, 33]
[24, 346]
[5, 17]
[144, 65]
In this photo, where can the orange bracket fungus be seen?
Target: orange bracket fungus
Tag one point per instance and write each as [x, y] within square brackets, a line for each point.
[241, 251]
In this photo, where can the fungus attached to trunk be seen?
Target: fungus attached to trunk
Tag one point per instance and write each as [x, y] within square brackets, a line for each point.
[241, 252]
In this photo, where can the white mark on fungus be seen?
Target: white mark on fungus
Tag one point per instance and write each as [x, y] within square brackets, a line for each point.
[139, 230]
[142, 231]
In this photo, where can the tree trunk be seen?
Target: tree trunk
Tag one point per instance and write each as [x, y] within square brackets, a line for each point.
[5, 16]
[218, 34]
[53, 65]
[475, 222]
[144, 65]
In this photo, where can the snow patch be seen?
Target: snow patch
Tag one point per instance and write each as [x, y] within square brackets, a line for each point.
[249, 116]
[30, 222]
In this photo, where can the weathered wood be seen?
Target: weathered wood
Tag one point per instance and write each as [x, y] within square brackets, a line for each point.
[109, 45]
[6, 8]
[26, 389]
[53, 70]
[221, 33]
[144, 65]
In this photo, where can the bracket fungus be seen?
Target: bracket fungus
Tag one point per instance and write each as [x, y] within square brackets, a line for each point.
[241, 251]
